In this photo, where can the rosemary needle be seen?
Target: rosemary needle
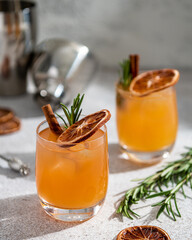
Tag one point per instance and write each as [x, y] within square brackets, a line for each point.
[125, 73]
[179, 173]
[73, 114]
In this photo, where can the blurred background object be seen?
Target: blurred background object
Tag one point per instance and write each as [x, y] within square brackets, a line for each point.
[160, 31]
[61, 69]
[17, 38]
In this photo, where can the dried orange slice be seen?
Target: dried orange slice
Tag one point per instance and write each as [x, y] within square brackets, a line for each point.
[152, 81]
[5, 115]
[143, 233]
[10, 126]
[84, 128]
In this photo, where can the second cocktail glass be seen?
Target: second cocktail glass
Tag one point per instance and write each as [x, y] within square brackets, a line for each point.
[147, 125]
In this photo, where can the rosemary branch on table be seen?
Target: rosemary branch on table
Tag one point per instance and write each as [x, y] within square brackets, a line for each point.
[72, 115]
[179, 173]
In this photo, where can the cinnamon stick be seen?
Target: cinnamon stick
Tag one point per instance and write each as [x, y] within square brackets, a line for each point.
[51, 119]
[136, 65]
[134, 59]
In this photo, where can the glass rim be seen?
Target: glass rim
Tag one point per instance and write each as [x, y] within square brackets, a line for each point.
[75, 144]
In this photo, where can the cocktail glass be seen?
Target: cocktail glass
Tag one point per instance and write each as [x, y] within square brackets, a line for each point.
[71, 182]
[147, 126]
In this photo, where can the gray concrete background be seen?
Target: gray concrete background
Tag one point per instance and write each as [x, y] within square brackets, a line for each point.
[159, 30]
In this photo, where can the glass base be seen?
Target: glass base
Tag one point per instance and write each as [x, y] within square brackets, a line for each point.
[147, 158]
[71, 215]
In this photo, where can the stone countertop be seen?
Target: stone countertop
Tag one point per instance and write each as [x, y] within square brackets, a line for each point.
[21, 216]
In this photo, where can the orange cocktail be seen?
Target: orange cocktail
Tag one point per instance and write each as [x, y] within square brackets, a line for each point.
[147, 124]
[73, 178]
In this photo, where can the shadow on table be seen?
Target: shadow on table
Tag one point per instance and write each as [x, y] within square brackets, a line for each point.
[117, 163]
[23, 217]
[24, 106]
[27, 158]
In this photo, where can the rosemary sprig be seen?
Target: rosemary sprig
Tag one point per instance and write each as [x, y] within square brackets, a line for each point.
[179, 173]
[125, 73]
[72, 115]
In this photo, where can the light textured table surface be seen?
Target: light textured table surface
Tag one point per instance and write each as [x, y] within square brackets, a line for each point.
[21, 216]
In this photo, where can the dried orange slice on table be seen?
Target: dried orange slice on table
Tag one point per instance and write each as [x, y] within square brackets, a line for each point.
[10, 126]
[143, 233]
[8, 122]
[152, 81]
[5, 115]
[84, 128]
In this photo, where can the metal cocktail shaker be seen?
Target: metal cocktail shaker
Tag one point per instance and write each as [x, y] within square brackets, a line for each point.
[17, 43]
